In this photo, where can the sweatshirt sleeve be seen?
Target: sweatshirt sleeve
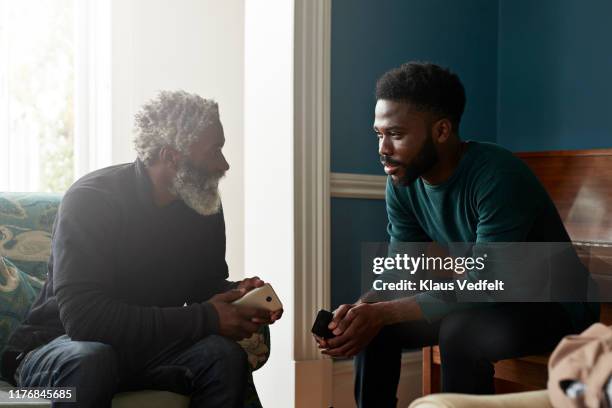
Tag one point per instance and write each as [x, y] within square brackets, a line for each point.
[84, 277]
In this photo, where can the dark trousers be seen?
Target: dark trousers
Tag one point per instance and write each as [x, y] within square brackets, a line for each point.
[470, 342]
[213, 371]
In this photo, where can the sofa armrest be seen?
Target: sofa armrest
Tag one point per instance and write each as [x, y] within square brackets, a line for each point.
[513, 400]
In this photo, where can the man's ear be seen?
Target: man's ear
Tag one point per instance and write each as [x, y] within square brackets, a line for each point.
[169, 157]
[442, 129]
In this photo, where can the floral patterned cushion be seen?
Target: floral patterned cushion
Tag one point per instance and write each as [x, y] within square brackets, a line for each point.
[26, 220]
[17, 292]
[257, 347]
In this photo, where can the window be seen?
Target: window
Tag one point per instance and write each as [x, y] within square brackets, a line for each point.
[51, 97]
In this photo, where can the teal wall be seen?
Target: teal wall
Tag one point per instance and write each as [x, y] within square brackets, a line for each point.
[537, 75]
[555, 74]
[354, 221]
[370, 37]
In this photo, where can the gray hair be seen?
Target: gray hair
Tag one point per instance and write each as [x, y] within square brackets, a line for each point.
[173, 118]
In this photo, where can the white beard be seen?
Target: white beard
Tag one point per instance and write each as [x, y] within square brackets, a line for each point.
[198, 190]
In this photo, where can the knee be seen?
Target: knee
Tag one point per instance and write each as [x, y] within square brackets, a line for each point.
[221, 361]
[219, 371]
[224, 356]
[93, 359]
[228, 354]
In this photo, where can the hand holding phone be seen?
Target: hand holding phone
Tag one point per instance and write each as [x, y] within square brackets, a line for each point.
[237, 322]
[263, 297]
[320, 328]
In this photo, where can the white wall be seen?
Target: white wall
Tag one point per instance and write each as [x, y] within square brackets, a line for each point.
[269, 160]
[194, 45]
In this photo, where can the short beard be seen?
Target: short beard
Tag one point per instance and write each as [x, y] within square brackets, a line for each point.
[199, 189]
[424, 161]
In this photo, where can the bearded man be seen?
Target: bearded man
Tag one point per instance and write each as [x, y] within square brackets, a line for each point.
[446, 190]
[137, 292]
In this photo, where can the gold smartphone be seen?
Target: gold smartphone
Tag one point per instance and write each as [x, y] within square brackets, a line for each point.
[263, 297]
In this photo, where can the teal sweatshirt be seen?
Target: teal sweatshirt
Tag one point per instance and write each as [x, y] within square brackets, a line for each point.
[492, 196]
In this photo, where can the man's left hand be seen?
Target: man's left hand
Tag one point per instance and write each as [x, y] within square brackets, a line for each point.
[274, 316]
[361, 323]
[252, 283]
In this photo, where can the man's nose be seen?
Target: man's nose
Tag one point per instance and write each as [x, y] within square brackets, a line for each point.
[385, 148]
[224, 165]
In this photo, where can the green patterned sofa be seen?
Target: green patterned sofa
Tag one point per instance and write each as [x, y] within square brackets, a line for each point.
[26, 220]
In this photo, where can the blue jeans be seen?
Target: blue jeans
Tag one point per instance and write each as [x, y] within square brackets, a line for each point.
[214, 371]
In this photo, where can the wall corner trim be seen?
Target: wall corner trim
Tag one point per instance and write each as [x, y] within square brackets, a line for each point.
[312, 43]
[351, 185]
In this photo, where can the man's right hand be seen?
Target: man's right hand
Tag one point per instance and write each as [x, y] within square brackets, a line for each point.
[237, 322]
[339, 314]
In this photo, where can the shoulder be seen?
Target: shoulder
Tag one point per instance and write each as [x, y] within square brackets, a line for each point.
[493, 157]
[98, 189]
[106, 178]
[493, 165]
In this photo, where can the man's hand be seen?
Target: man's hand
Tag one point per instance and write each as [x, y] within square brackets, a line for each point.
[274, 316]
[354, 326]
[339, 314]
[252, 283]
[237, 322]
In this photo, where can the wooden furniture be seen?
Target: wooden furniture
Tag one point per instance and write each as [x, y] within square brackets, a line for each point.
[580, 184]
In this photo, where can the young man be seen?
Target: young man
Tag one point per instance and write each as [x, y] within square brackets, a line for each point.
[133, 243]
[446, 190]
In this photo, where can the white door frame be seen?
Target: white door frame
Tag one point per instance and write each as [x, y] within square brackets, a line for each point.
[312, 64]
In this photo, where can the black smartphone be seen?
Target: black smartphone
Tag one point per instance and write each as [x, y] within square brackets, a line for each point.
[320, 325]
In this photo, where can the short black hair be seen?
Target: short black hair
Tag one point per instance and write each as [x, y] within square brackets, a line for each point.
[427, 86]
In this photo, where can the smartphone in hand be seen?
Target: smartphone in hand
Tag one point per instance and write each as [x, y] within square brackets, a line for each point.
[263, 297]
